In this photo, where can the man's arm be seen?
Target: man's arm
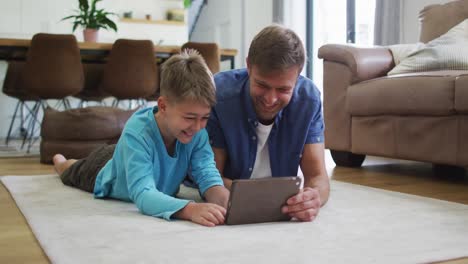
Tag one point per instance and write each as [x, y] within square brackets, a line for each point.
[313, 168]
[306, 204]
[218, 195]
[220, 157]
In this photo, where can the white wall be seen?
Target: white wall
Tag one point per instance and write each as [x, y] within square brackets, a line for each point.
[24, 18]
[409, 22]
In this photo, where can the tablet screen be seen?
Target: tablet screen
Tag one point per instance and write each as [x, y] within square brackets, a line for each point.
[260, 200]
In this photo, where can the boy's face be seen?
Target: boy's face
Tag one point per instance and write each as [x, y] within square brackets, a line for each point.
[183, 119]
[271, 92]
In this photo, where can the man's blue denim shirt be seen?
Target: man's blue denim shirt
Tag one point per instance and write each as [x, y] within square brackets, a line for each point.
[233, 122]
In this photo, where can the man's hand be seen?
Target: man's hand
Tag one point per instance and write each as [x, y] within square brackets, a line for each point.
[304, 206]
[206, 214]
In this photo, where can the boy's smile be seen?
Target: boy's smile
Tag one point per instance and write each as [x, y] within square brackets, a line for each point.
[181, 120]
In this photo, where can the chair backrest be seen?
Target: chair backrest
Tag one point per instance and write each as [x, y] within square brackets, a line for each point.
[11, 84]
[131, 71]
[209, 51]
[437, 19]
[53, 67]
[93, 73]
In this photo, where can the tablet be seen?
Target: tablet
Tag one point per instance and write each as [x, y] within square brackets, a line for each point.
[260, 200]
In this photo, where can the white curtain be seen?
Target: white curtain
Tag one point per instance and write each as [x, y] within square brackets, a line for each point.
[387, 22]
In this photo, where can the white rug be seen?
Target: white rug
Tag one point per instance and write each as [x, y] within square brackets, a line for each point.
[358, 225]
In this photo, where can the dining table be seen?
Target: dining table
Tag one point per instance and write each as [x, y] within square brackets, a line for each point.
[96, 52]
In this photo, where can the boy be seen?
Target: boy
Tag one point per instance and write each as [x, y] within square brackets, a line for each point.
[156, 149]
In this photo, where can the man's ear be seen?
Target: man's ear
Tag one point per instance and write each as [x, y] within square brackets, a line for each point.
[247, 63]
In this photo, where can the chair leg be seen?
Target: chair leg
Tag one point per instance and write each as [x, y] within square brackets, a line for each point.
[23, 118]
[27, 119]
[12, 122]
[83, 104]
[115, 103]
[26, 122]
[36, 108]
[66, 104]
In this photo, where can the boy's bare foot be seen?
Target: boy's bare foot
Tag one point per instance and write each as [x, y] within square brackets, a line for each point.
[61, 163]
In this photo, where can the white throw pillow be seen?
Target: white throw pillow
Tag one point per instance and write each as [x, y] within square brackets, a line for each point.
[447, 52]
[402, 51]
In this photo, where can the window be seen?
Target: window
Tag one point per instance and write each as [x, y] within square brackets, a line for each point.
[329, 25]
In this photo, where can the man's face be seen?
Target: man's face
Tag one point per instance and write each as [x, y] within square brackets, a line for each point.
[184, 119]
[271, 92]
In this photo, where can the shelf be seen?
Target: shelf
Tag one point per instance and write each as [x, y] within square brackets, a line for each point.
[145, 21]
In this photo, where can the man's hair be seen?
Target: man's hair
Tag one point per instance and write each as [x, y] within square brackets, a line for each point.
[185, 76]
[276, 48]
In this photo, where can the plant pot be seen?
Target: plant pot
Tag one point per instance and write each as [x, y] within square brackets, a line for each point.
[90, 35]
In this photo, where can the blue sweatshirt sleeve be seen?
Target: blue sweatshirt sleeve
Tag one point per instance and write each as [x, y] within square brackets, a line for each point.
[204, 169]
[141, 174]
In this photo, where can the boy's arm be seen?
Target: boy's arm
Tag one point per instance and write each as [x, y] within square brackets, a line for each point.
[140, 177]
[205, 172]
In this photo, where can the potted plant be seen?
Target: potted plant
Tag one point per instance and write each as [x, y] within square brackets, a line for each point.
[91, 19]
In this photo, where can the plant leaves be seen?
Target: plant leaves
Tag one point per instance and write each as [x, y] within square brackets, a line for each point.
[68, 17]
[83, 4]
[89, 16]
[111, 24]
[75, 25]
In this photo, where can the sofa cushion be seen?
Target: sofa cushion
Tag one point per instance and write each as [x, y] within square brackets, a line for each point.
[461, 94]
[430, 93]
[433, 139]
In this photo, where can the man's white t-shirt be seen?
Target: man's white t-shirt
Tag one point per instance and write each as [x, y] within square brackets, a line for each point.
[262, 166]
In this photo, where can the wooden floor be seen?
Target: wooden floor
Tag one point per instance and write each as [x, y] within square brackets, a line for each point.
[18, 244]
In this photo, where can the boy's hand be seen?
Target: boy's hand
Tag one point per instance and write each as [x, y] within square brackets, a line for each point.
[304, 206]
[206, 214]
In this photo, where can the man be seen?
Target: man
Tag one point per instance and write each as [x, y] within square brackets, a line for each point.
[268, 121]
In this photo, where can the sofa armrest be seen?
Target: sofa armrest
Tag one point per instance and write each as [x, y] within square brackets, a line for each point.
[364, 63]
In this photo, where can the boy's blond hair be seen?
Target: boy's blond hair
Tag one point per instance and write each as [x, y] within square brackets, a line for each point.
[186, 76]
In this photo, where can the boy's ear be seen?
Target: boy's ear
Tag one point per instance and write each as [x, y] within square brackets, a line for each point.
[162, 103]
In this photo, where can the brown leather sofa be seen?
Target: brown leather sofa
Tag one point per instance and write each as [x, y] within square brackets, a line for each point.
[417, 116]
